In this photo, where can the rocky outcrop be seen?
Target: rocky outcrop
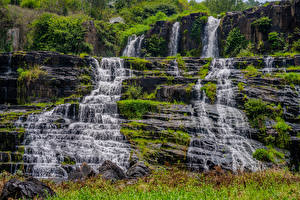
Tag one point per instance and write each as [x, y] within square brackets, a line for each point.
[137, 171]
[29, 189]
[284, 16]
[111, 171]
[61, 77]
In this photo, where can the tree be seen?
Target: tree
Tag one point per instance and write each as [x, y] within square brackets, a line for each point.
[219, 6]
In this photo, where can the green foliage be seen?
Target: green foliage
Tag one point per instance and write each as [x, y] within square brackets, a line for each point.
[263, 24]
[62, 34]
[210, 90]
[30, 4]
[251, 71]
[198, 27]
[135, 109]
[133, 92]
[234, 43]
[290, 77]
[282, 128]
[296, 46]
[138, 63]
[241, 86]
[276, 41]
[204, 69]
[220, 6]
[4, 3]
[155, 46]
[268, 155]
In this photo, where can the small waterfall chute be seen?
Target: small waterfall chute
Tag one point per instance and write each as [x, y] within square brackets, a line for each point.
[133, 47]
[210, 39]
[174, 39]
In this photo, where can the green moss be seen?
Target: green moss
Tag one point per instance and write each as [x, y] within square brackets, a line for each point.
[290, 77]
[241, 86]
[268, 155]
[204, 69]
[138, 63]
[189, 88]
[263, 24]
[68, 161]
[210, 90]
[251, 71]
[135, 109]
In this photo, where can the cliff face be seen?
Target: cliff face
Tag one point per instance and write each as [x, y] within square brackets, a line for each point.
[284, 15]
[61, 77]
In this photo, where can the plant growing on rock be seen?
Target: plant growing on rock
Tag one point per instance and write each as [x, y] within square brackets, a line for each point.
[234, 43]
[268, 155]
[155, 46]
[263, 24]
[276, 41]
[210, 90]
[282, 128]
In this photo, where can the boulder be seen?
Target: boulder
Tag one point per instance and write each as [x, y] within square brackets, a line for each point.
[138, 170]
[27, 189]
[87, 171]
[111, 171]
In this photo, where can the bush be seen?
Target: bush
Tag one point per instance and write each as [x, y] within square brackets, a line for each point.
[255, 108]
[276, 41]
[210, 90]
[291, 77]
[263, 24]
[296, 45]
[234, 43]
[135, 109]
[62, 34]
[282, 128]
[30, 4]
[155, 46]
[251, 71]
[198, 27]
[268, 155]
[133, 92]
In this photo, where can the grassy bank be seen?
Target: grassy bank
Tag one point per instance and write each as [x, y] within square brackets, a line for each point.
[177, 184]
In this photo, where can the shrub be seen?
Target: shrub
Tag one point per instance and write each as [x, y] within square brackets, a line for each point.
[251, 71]
[156, 46]
[133, 92]
[263, 24]
[241, 86]
[210, 90]
[30, 4]
[255, 108]
[62, 34]
[291, 77]
[135, 109]
[296, 45]
[234, 43]
[276, 41]
[282, 129]
[268, 155]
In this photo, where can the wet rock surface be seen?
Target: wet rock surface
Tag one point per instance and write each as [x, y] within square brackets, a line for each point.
[111, 171]
[28, 189]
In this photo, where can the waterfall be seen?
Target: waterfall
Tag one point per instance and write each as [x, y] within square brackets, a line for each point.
[85, 132]
[173, 44]
[210, 39]
[222, 136]
[133, 47]
[269, 64]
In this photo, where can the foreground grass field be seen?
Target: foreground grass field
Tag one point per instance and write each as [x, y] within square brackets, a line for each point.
[177, 184]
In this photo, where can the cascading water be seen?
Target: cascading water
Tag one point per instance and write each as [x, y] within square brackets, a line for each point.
[269, 64]
[173, 44]
[210, 39]
[90, 130]
[222, 132]
[133, 47]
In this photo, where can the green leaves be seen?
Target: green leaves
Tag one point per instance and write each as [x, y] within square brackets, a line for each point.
[62, 34]
[234, 43]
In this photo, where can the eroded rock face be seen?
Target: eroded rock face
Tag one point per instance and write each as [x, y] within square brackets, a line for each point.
[111, 171]
[61, 78]
[138, 170]
[28, 189]
[285, 18]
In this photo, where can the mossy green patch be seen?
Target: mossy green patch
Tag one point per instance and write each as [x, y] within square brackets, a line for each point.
[210, 90]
